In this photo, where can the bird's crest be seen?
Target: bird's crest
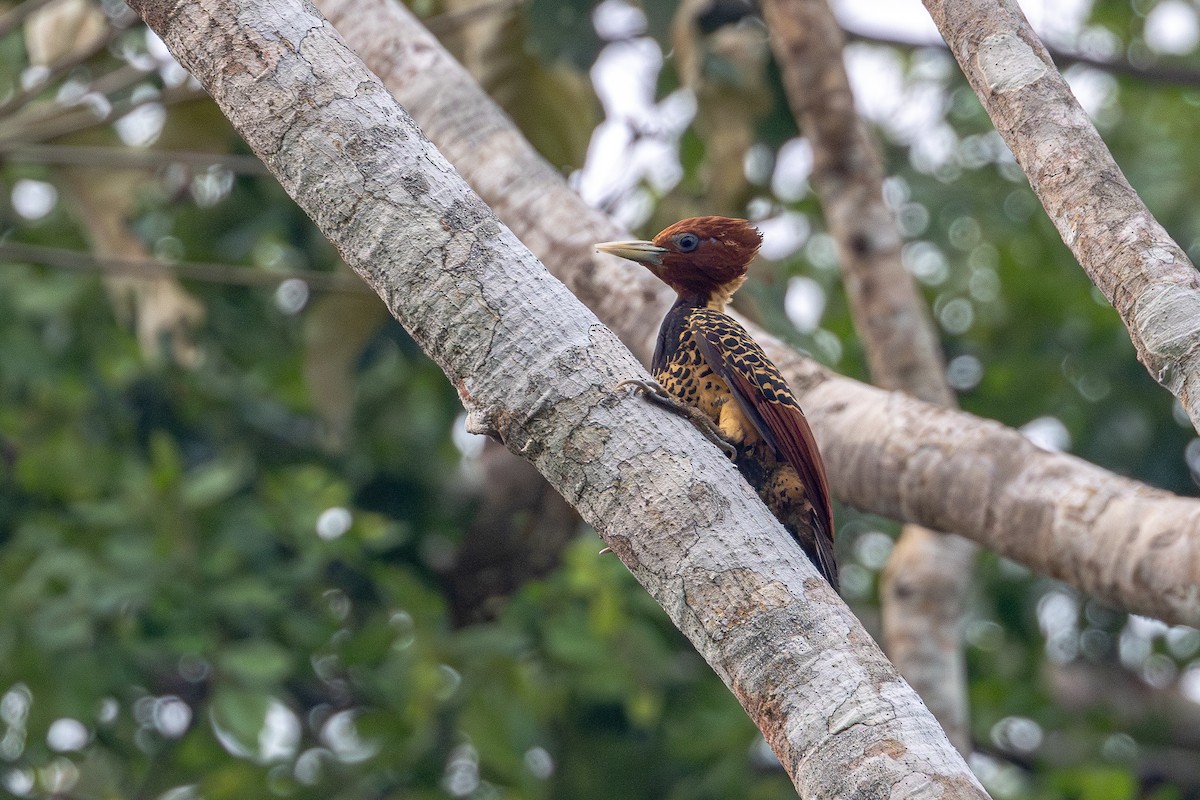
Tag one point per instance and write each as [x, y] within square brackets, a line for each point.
[706, 254]
[701, 257]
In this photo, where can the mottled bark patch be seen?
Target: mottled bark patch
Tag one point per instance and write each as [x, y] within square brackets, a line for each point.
[670, 524]
[887, 747]
[956, 785]
[862, 706]
[733, 597]
[623, 549]
[1168, 319]
[415, 183]
[767, 711]
[157, 15]
[588, 444]
[1008, 63]
[464, 214]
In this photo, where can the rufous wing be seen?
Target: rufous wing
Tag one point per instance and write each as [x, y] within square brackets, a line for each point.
[769, 404]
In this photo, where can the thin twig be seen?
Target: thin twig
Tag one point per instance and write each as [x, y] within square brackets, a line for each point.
[1156, 73]
[27, 118]
[118, 80]
[80, 118]
[446, 22]
[126, 157]
[77, 261]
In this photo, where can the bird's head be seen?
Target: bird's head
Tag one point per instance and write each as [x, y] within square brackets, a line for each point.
[702, 257]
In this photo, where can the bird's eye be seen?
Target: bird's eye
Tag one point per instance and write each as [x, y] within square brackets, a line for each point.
[688, 242]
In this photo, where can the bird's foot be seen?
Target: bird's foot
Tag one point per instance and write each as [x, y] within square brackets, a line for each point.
[651, 388]
[654, 392]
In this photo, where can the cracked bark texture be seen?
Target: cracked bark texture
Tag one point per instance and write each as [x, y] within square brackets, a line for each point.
[887, 453]
[1125, 251]
[534, 368]
[924, 588]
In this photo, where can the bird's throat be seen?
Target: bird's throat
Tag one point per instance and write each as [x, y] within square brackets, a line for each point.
[715, 298]
[719, 297]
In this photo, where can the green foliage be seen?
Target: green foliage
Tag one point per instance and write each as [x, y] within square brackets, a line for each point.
[209, 589]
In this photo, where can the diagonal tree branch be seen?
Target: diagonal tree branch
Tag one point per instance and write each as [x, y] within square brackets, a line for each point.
[887, 453]
[491, 153]
[534, 368]
[1128, 255]
[924, 589]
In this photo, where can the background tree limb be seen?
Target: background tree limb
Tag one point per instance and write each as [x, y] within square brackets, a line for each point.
[1128, 255]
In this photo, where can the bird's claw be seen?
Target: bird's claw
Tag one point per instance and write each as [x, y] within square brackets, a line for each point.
[655, 392]
[713, 434]
[642, 386]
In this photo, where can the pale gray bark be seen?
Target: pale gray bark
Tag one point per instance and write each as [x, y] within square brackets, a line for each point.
[1112, 537]
[924, 595]
[1125, 251]
[923, 592]
[908, 460]
[535, 368]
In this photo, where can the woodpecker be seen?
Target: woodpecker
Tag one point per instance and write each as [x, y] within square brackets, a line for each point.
[707, 365]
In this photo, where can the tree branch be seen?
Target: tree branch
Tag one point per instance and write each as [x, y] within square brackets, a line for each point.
[924, 590]
[534, 368]
[1114, 538]
[886, 453]
[901, 346]
[485, 146]
[1128, 255]
[1084, 689]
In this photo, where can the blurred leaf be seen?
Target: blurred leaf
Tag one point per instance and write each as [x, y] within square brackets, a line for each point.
[255, 663]
[1099, 783]
[238, 717]
[216, 481]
